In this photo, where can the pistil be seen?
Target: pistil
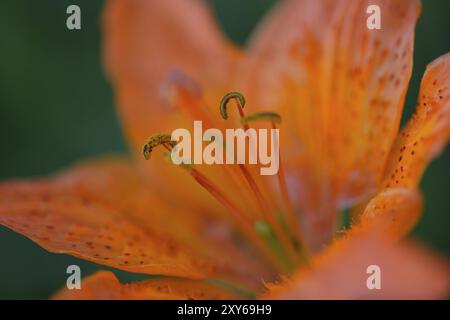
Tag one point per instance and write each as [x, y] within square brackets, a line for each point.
[265, 208]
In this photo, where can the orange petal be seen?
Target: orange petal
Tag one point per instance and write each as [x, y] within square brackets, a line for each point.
[144, 41]
[101, 212]
[103, 285]
[393, 210]
[340, 89]
[427, 133]
[407, 272]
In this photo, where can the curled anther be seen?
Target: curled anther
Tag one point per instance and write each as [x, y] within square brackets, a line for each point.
[157, 140]
[239, 97]
[261, 116]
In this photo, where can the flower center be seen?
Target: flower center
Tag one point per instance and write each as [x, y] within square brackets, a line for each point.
[272, 226]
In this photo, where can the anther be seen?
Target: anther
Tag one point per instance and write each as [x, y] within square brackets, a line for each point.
[240, 99]
[262, 116]
[157, 140]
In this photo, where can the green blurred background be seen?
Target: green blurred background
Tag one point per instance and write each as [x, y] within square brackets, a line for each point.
[56, 107]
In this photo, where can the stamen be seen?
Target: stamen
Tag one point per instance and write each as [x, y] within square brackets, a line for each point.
[240, 100]
[265, 208]
[157, 140]
[246, 225]
[275, 118]
[261, 116]
[235, 211]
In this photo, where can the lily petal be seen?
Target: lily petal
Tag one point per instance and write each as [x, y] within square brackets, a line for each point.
[340, 89]
[144, 41]
[394, 211]
[104, 285]
[101, 212]
[408, 271]
[426, 133]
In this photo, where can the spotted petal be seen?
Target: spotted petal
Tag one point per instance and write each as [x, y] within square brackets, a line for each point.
[340, 89]
[151, 46]
[395, 211]
[144, 42]
[104, 212]
[423, 138]
[428, 131]
[103, 285]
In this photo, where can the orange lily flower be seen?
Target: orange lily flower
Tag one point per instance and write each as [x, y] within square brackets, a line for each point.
[220, 232]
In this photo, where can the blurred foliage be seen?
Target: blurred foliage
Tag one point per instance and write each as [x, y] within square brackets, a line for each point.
[56, 107]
